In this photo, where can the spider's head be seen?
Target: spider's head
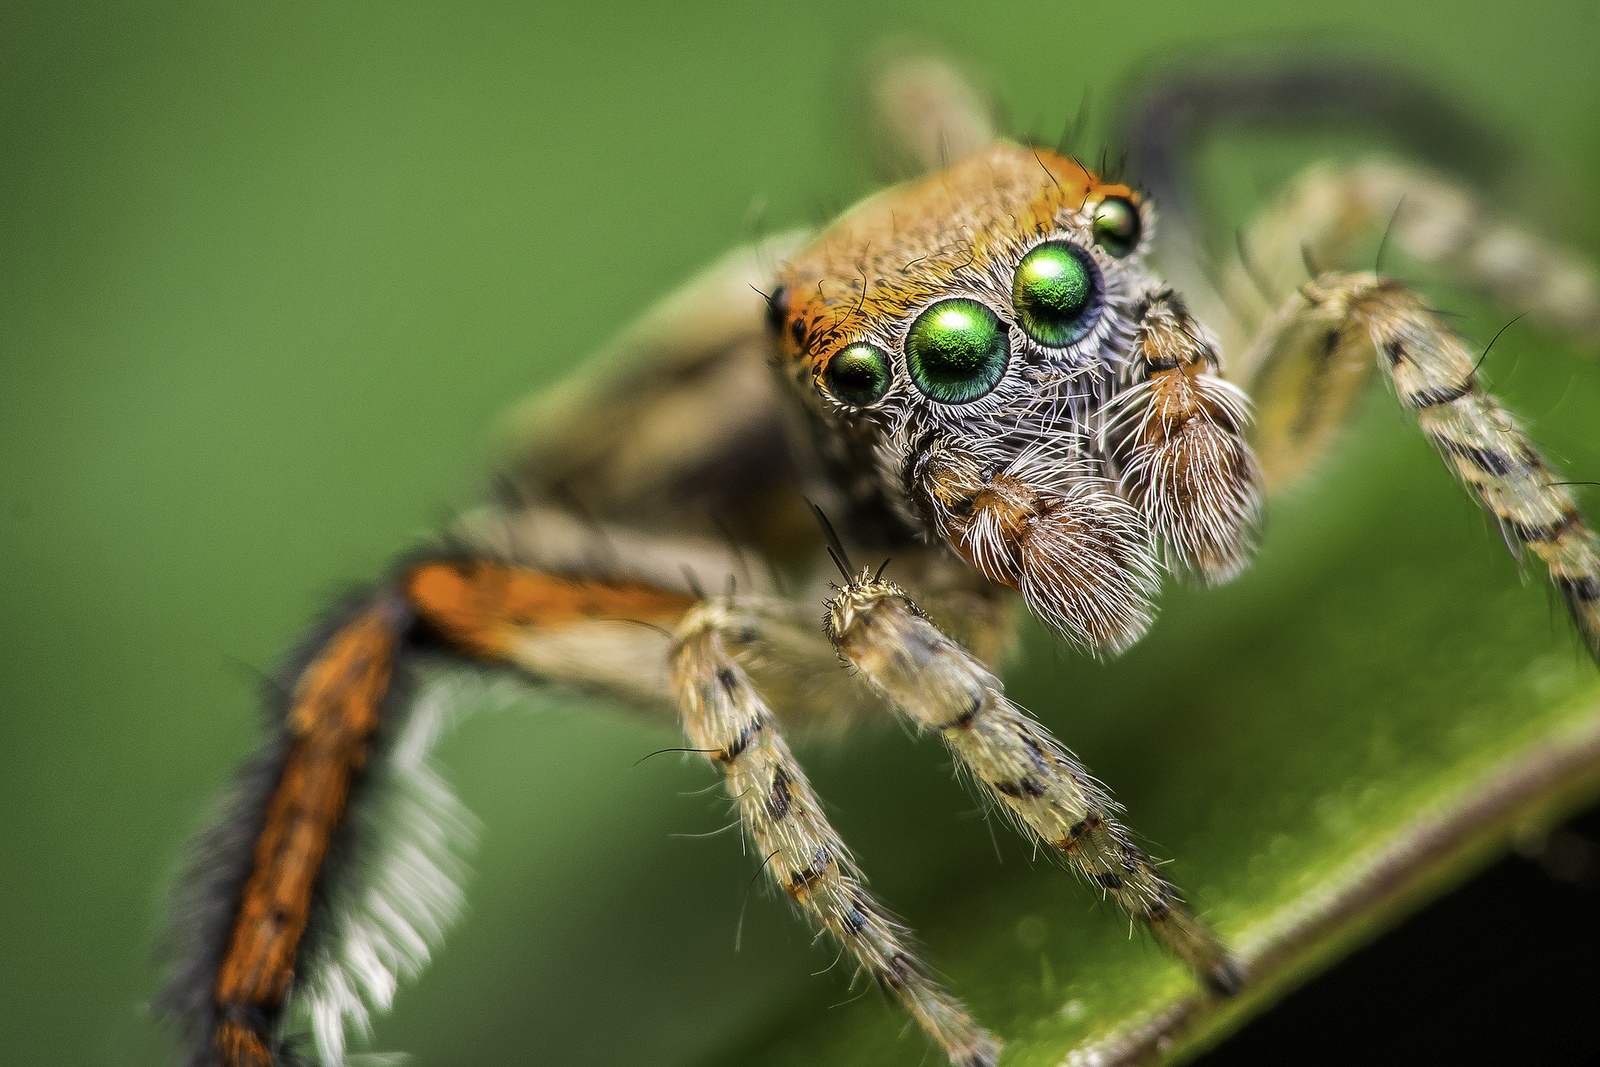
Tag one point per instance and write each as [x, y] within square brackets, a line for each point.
[958, 341]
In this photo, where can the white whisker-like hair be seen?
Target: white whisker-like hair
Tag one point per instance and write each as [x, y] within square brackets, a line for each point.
[414, 836]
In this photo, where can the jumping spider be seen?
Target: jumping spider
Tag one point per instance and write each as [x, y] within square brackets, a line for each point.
[980, 377]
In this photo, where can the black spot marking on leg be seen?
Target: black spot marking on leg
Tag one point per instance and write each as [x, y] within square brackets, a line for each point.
[1584, 590]
[1035, 750]
[1134, 858]
[966, 718]
[1487, 460]
[778, 799]
[1109, 880]
[1330, 346]
[854, 922]
[1226, 978]
[1432, 398]
[1027, 786]
[740, 743]
[1548, 533]
[1091, 822]
[900, 973]
[729, 680]
[800, 882]
[1395, 352]
[1158, 913]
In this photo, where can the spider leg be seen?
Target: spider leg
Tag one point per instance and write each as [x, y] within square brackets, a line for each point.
[292, 911]
[1167, 114]
[1318, 349]
[1339, 217]
[233, 1000]
[724, 714]
[275, 910]
[926, 113]
[942, 687]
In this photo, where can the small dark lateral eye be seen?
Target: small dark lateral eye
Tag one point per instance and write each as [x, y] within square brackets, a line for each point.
[777, 308]
[858, 375]
[1116, 225]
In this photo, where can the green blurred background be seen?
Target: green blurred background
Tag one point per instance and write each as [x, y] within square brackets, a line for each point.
[268, 272]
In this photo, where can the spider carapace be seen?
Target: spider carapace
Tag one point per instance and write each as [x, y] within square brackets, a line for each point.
[978, 375]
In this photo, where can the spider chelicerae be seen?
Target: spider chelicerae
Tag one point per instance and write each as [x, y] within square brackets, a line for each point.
[977, 375]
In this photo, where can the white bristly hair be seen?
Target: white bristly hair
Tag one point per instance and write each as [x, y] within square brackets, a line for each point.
[404, 891]
[1198, 488]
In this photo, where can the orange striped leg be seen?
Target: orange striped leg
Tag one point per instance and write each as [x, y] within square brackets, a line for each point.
[480, 609]
[332, 717]
[485, 608]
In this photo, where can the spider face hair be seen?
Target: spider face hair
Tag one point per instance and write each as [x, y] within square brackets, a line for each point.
[959, 342]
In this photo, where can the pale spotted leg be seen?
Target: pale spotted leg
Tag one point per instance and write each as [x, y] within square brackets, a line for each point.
[1326, 338]
[942, 687]
[725, 716]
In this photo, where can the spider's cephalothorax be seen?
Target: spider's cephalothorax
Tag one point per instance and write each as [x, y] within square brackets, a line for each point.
[995, 388]
[986, 351]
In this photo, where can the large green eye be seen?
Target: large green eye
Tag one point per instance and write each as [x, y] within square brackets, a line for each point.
[956, 351]
[1056, 292]
[1116, 225]
[857, 375]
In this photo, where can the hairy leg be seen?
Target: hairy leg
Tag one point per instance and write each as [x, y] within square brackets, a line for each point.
[941, 687]
[926, 113]
[1334, 217]
[1321, 345]
[293, 901]
[335, 873]
[725, 716]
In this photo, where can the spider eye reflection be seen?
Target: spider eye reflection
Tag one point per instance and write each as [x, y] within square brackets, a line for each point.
[956, 351]
[1056, 292]
[857, 375]
[1116, 225]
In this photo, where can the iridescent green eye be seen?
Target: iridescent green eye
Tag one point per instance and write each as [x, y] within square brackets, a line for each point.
[1056, 292]
[1116, 225]
[956, 351]
[857, 375]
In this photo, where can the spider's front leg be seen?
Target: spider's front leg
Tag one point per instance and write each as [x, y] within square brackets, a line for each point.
[1334, 329]
[942, 687]
[725, 716]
